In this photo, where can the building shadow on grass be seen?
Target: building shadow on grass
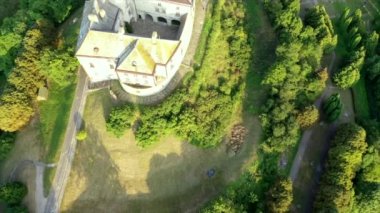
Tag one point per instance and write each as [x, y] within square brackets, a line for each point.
[175, 182]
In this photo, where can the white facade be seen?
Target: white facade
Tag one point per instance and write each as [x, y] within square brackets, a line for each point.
[103, 54]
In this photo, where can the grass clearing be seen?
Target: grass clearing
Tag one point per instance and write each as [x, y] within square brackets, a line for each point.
[54, 116]
[168, 176]
[361, 104]
[55, 112]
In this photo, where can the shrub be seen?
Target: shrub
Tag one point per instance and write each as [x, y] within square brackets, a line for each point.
[13, 193]
[333, 107]
[308, 117]
[120, 119]
[81, 135]
[280, 196]
[6, 144]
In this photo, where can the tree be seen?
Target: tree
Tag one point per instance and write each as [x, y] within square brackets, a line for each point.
[6, 144]
[13, 193]
[58, 66]
[280, 196]
[15, 109]
[336, 192]
[332, 107]
[308, 117]
[371, 43]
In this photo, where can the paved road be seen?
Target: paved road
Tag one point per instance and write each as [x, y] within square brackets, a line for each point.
[68, 149]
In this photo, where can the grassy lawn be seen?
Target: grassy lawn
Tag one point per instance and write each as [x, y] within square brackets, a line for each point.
[7, 8]
[264, 45]
[54, 116]
[361, 104]
[54, 113]
[114, 175]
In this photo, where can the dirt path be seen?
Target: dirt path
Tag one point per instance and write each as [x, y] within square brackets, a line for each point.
[68, 150]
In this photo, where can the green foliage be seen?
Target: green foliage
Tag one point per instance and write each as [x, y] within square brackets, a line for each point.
[308, 116]
[367, 186]
[56, 10]
[318, 18]
[332, 107]
[349, 75]
[352, 30]
[15, 110]
[372, 42]
[120, 119]
[200, 111]
[13, 193]
[6, 144]
[16, 209]
[81, 135]
[58, 66]
[336, 192]
[223, 205]
[280, 196]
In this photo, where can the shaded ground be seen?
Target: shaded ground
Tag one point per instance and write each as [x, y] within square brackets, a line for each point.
[146, 27]
[114, 175]
[28, 146]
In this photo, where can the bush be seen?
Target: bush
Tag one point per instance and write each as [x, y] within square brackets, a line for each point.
[308, 117]
[6, 144]
[13, 193]
[280, 196]
[81, 135]
[120, 119]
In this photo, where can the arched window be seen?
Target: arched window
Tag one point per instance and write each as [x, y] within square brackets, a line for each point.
[163, 20]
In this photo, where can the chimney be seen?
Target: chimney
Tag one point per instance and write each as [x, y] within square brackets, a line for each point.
[102, 13]
[93, 18]
[154, 37]
[96, 6]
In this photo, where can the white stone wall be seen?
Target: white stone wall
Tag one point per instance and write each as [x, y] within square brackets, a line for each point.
[131, 78]
[128, 8]
[156, 8]
[100, 69]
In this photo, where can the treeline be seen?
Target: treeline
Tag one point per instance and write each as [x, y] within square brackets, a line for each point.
[200, 111]
[12, 195]
[336, 193]
[30, 55]
[351, 182]
[294, 81]
[354, 42]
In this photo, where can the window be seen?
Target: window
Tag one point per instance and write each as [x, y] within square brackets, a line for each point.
[92, 65]
[112, 67]
[159, 4]
[157, 9]
[177, 14]
[134, 63]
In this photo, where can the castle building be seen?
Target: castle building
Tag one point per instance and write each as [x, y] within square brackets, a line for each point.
[141, 43]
